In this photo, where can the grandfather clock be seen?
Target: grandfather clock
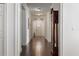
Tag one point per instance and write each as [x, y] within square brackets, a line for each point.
[54, 31]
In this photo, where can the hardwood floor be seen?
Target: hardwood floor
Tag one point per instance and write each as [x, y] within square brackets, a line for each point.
[38, 46]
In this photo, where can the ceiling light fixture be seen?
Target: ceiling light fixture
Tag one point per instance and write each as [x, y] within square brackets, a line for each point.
[37, 9]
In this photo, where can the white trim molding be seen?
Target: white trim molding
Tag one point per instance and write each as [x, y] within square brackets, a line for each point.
[17, 30]
[12, 29]
[61, 30]
[5, 30]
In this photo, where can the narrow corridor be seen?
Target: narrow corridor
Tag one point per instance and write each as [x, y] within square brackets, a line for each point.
[42, 29]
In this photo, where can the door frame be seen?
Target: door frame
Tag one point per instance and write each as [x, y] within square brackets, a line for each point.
[17, 30]
[60, 31]
[5, 30]
[17, 47]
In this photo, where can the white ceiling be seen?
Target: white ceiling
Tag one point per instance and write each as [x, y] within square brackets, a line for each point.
[43, 6]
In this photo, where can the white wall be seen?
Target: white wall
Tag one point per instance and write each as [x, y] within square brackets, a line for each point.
[23, 25]
[48, 27]
[25, 16]
[55, 6]
[10, 29]
[60, 30]
[27, 25]
[1, 29]
[71, 29]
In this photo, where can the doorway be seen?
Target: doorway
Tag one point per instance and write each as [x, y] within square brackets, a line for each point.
[42, 30]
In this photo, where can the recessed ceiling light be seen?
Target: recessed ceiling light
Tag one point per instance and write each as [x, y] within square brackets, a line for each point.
[37, 9]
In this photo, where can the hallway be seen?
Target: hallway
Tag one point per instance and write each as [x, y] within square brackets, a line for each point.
[39, 29]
